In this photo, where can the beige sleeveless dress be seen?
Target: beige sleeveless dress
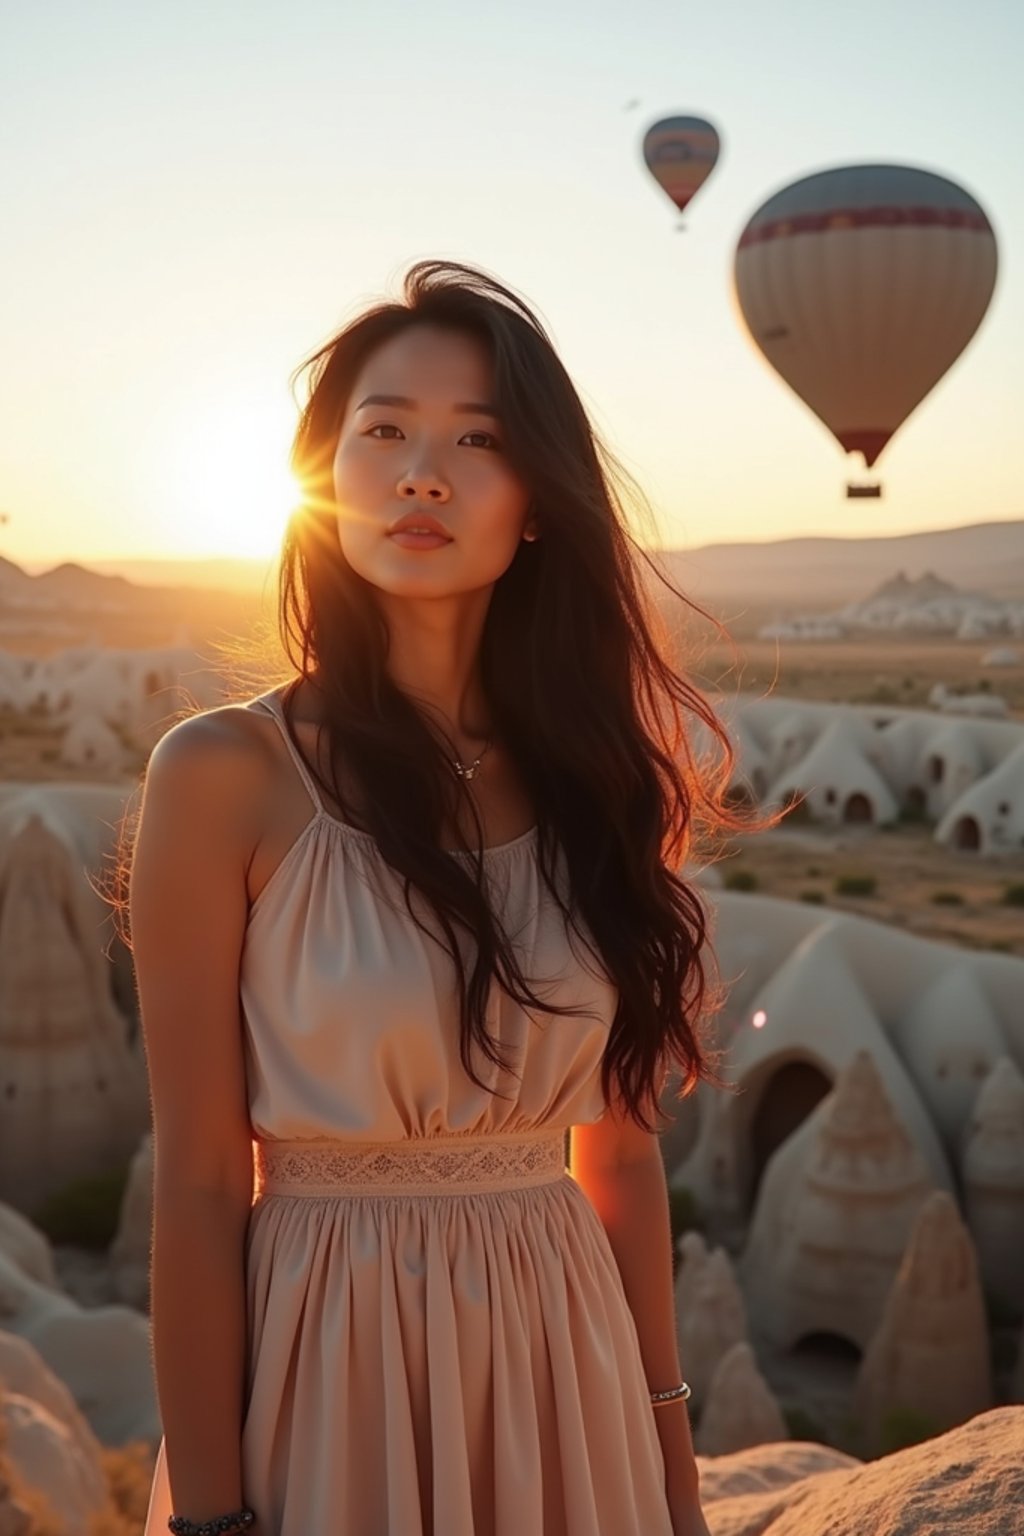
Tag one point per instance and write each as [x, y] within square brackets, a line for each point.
[438, 1339]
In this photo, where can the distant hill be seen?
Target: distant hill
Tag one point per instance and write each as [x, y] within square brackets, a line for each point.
[901, 589]
[220, 575]
[984, 557]
[71, 604]
[62, 587]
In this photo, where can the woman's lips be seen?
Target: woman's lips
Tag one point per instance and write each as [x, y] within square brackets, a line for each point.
[409, 540]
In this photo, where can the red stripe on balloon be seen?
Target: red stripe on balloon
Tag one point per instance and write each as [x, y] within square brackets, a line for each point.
[881, 217]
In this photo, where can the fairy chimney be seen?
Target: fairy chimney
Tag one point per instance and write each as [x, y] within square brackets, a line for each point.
[836, 1206]
[930, 1354]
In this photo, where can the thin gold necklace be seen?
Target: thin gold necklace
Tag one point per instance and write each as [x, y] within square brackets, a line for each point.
[465, 771]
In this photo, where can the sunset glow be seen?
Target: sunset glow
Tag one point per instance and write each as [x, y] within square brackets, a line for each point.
[228, 489]
[235, 202]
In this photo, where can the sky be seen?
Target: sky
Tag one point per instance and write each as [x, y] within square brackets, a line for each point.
[197, 194]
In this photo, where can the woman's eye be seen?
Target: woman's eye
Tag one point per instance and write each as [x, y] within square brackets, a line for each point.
[490, 441]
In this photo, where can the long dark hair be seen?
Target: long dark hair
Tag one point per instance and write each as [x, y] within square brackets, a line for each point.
[582, 693]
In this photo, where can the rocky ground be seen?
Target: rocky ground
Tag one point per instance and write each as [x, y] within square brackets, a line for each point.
[931, 891]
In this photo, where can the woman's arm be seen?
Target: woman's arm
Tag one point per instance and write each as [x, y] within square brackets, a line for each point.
[188, 907]
[621, 1171]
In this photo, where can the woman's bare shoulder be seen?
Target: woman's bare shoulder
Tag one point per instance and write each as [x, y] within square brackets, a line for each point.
[222, 751]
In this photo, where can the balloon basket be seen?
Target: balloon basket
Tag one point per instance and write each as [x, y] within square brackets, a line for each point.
[858, 492]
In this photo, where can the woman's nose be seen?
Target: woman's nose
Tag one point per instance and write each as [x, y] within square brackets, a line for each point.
[425, 483]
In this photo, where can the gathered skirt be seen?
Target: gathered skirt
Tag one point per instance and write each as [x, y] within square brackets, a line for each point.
[439, 1344]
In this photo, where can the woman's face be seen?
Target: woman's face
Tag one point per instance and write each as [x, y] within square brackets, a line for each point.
[418, 440]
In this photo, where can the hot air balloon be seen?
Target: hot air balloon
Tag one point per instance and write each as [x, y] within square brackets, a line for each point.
[862, 285]
[680, 153]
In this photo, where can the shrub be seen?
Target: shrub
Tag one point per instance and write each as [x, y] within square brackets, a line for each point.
[855, 885]
[86, 1212]
[740, 880]
[129, 1473]
[946, 899]
[813, 898]
[1013, 895]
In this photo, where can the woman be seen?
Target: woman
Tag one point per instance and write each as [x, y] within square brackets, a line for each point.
[399, 926]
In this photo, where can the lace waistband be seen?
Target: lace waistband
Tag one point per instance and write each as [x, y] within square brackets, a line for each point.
[419, 1165]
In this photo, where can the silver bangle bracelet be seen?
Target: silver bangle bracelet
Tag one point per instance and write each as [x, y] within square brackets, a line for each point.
[674, 1394]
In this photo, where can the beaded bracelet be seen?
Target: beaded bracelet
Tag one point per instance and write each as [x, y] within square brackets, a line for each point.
[672, 1395]
[223, 1525]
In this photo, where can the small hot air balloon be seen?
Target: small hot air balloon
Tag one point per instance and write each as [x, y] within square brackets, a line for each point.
[862, 285]
[680, 153]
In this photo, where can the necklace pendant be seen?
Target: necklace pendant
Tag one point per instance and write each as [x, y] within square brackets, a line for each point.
[468, 770]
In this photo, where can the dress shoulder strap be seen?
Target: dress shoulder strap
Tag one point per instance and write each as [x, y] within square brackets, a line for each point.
[271, 703]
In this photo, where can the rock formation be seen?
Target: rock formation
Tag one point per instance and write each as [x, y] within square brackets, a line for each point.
[741, 1409]
[836, 1208]
[930, 1355]
[45, 1458]
[102, 1354]
[27, 1247]
[993, 1184]
[73, 1092]
[710, 1316]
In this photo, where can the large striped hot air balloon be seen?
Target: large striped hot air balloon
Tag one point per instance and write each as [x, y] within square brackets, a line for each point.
[680, 153]
[861, 286]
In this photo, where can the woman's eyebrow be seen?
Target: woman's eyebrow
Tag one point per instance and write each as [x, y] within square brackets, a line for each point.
[466, 408]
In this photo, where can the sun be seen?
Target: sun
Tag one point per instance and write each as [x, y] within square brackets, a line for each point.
[229, 489]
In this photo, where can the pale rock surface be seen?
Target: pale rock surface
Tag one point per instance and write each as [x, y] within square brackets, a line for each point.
[46, 1457]
[103, 1355]
[992, 810]
[930, 1355]
[808, 988]
[790, 737]
[710, 1315]
[88, 742]
[969, 1482]
[129, 1252]
[766, 1468]
[27, 1247]
[992, 1166]
[75, 1092]
[741, 1408]
[949, 1039]
[24, 1371]
[836, 780]
[897, 751]
[835, 1210]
